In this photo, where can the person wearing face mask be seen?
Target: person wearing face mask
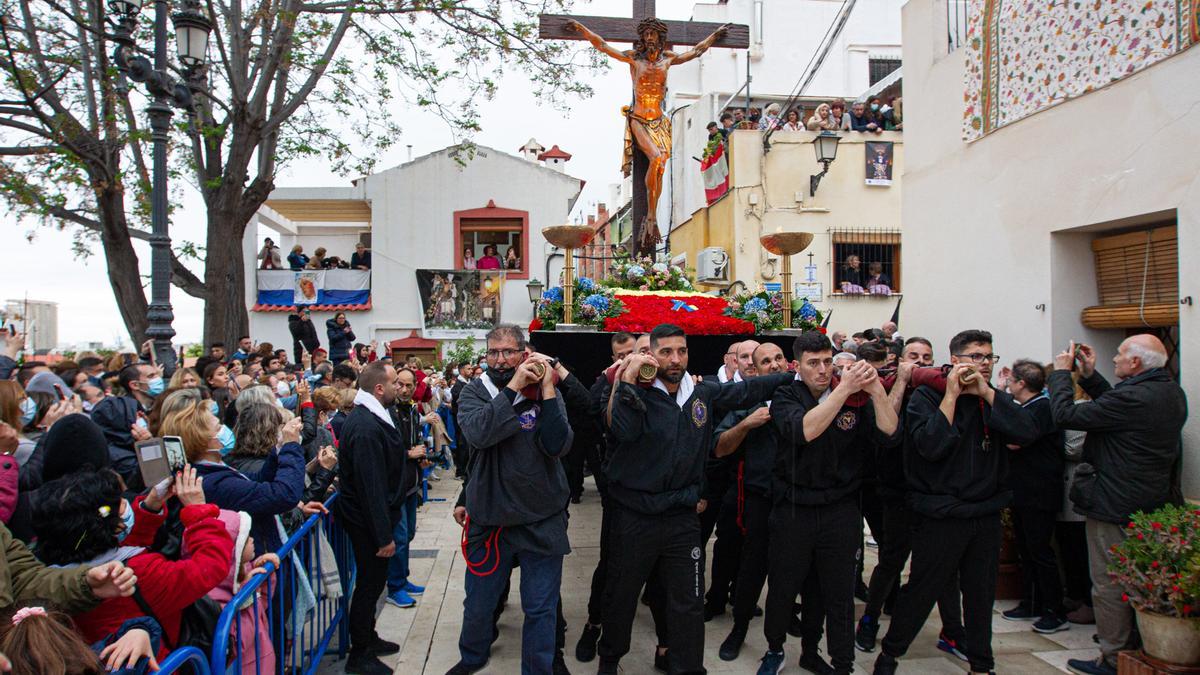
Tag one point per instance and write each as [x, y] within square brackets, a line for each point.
[82, 520]
[275, 488]
[116, 415]
[516, 497]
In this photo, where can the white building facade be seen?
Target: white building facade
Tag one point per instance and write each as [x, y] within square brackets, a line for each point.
[419, 215]
[1068, 213]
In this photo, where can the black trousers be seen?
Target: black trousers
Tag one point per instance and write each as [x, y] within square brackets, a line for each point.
[968, 547]
[727, 552]
[1035, 532]
[368, 586]
[872, 509]
[894, 549]
[573, 464]
[665, 546]
[595, 605]
[1073, 555]
[752, 570]
[825, 538]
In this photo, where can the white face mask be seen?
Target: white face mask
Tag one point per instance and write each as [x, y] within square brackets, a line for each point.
[283, 390]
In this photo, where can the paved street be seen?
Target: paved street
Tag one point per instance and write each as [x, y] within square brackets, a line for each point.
[429, 632]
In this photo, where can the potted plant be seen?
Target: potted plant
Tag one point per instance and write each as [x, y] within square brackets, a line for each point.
[1158, 567]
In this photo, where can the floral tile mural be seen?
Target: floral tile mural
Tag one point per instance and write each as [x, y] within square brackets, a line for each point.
[1027, 55]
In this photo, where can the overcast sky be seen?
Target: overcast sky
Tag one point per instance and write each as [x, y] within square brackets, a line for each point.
[45, 268]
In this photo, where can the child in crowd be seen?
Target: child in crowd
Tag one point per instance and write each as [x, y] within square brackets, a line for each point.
[41, 641]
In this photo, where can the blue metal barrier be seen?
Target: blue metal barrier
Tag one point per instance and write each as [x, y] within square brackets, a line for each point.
[300, 616]
[185, 656]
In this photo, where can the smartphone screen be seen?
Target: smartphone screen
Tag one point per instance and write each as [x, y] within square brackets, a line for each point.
[173, 447]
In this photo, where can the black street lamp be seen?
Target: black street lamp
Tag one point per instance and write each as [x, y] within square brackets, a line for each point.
[192, 29]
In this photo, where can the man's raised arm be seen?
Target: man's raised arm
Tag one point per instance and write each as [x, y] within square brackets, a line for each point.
[598, 42]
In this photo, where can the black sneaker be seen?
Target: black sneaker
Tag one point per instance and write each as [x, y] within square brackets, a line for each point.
[1051, 622]
[771, 663]
[813, 663]
[559, 667]
[866, 633]
[732, 646]
[885, 665]
[381, 647]
[585, 649]
[661, 661]
[1022, 612]
[366, 663]
[461, 668]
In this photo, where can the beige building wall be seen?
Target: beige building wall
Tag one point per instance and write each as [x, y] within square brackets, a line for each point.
[998, 232]
[769, 193]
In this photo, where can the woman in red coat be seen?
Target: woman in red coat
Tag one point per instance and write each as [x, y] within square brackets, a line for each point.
[82, 519]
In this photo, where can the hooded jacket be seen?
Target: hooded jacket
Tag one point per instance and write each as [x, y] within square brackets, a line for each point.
[252, 622]
[340, 341]
[657, 460]
[1133, 440]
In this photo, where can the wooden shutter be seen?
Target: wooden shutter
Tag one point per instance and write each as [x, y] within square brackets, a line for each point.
[1137, 279]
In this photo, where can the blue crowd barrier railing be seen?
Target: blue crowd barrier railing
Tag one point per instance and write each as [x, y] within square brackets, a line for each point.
[306, 603]
[194, 659]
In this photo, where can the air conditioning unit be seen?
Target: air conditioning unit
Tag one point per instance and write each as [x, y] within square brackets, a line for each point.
[712, 266]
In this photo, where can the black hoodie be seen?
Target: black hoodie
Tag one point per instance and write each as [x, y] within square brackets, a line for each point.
[950, 472]
[304, 333]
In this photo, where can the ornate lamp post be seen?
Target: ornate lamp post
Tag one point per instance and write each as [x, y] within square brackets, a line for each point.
[192, 29]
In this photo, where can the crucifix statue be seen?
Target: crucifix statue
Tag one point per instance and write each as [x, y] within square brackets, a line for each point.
[647, 127]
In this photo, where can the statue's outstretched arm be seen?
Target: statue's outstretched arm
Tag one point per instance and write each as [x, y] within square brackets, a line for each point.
[700, 47]
[598, 42]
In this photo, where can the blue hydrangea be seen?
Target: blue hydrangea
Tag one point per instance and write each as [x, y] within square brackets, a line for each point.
[660, 268]
[635, 272]
[553, 295]
[807, 311]
[597, 301]
[754, 305]
[586, 283]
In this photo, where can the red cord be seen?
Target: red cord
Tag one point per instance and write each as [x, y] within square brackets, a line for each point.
[492, 539]
[741, 497]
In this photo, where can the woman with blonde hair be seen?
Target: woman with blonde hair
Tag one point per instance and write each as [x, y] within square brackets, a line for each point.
[770, 119]
[823, 120]
[184, 378]
[264, 494]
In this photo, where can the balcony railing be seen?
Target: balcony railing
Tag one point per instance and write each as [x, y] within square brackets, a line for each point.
[323, 290]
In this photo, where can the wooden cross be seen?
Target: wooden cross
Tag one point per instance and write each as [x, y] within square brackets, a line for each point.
[615, 29]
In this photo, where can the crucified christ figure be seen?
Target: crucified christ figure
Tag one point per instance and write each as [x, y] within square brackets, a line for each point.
[646, 124]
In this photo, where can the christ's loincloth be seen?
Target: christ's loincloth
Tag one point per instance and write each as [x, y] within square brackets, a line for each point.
[659, 131]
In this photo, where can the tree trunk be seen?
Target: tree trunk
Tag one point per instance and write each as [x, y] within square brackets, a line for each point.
[122, 262]
[225, 317]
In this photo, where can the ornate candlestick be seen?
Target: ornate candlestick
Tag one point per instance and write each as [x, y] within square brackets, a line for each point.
[568, 238]
[785, 245]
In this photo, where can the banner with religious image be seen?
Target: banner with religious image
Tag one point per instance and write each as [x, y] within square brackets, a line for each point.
[879, 159]
[459, 303]
[304, 292]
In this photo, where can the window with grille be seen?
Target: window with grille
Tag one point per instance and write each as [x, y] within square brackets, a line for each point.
[866, 261]
[881, 68]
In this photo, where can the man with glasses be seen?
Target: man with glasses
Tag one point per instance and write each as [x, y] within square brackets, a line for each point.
[956, 463]
[516, 498]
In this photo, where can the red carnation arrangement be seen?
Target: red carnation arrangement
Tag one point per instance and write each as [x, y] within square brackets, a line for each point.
[644, 312]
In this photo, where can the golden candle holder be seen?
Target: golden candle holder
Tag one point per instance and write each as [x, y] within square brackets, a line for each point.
[568, 238]
[785, 245]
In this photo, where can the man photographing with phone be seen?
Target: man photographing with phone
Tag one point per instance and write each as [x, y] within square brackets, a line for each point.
[1131, 462]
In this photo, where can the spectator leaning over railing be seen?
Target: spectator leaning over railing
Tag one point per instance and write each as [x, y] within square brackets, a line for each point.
[82, 519]
[269, 255]
[893, 119]
[296, 259]
[862, 120]
[838, 109]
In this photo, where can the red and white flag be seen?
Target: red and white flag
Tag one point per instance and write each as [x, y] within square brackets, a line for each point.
[715, 170]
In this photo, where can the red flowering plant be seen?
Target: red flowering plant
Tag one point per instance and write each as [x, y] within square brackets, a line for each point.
[1158, 564]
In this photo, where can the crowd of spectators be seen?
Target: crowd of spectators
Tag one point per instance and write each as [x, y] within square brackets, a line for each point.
[98, 569]
[269, 258]
[873, 115]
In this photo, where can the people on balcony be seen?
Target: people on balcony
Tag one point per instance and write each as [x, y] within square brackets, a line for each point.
[893, 117]
[793, 121]
[771, 119]
[296, 259]
[823, 119]
[269, 256]
[864, 120]
[361, 258]
[489, 260]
